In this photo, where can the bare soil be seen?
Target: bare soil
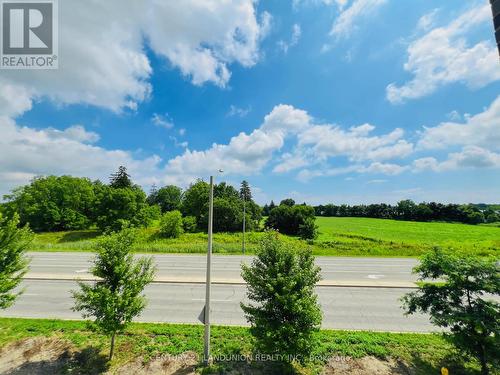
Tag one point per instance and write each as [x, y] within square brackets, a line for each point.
[41, 356]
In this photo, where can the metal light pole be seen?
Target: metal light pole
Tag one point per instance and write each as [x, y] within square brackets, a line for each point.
[244, 219]
[209, 269]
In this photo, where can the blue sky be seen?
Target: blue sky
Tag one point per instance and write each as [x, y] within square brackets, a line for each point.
[345, 101]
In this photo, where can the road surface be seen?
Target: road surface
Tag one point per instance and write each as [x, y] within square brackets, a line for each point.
[356, 293]
[388, 272]
[343, 307]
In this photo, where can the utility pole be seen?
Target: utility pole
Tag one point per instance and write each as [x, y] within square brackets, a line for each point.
[209, 269]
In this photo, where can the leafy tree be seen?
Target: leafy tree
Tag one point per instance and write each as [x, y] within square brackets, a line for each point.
[168, 198]
[117, 297]
[288, 219]
[195, 199]
[459, 298]
[271, 205]
[285, 312]
[171, 224]
[152, 196]
[54, 203]
[120, 179]
[13, 261]
[492, 218]
[287, 202]
[117, 208]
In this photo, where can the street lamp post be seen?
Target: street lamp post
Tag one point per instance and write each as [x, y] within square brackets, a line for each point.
[244, 221]
[208, 286]
[209, 269]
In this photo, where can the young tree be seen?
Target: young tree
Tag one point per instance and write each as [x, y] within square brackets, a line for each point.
[285, 313]
[13, 261]
[120, 179]
[459, 298]
[117, 297]
[169, 198]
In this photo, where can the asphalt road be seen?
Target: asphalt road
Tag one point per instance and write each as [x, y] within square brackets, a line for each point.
[356, 293]
[343, 307]
[389, 272]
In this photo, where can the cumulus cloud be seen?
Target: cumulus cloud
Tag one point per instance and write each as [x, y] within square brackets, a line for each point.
[481, 130]
[102, 58]
[237, 111]
[469, 157]
[442, 56]
[27, 152]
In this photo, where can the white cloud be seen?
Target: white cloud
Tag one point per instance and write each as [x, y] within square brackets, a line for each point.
[26, 153]
[102, 58]
[162, 121]
[237, 111]
[294, 39]
[350, 17]
[428, 20]
[356, 143]
[443, 56]
[482, 130]
[469, 157]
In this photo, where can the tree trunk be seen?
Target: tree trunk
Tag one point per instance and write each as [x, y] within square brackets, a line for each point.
[482, 360]
[112, 349]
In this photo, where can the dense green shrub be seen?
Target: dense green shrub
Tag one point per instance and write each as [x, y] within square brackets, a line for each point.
[284, 312]
[171, 224]
[189, 224]
[288, 219]
[308, 230]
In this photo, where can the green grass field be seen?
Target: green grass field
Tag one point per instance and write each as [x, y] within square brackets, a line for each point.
[338, 237]
[423, 353]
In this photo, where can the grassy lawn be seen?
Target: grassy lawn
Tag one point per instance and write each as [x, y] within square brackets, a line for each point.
[338, 237]
[425, 354]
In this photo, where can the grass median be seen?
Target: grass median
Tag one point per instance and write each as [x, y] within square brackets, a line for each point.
[82, 350]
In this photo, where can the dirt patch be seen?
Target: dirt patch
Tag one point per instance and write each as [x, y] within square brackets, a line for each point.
[366, 366]
[184, 364]
[35, 356]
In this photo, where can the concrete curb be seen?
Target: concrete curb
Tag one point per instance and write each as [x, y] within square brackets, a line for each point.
[198, 280]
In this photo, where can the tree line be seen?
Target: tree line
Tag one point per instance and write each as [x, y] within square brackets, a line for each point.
[61, 203]
[411, 211]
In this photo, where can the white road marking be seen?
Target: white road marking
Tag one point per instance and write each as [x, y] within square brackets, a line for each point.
[375, 276]
[82, 271]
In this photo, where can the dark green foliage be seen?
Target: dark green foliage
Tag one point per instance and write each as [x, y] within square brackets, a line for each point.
[168, 198]
[287, 202]
[189, 224]
[117, 297]
[408, 210]
[284, 314]
[492, 218]
[117, 208]
[171, 224]
[120, 179]
[13, 261]
[460, 299]
[288, 219]
[54, 203]
[308, 230]
[245, 191]
[195, 199]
